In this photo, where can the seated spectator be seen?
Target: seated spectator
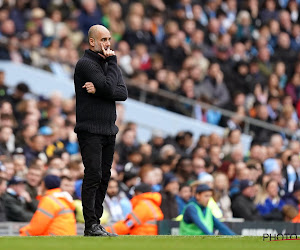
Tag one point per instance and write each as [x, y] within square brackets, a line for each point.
[213, 87]
[243, 204]
[17, 201]
[293, 198]
[144, 216]
[34, 178]
[67, 185]
[116, 203]
[169, 192]
[55, 213]
[221, 188]
[198, 218]
[2, 207]
[183, 197]
[269, 203]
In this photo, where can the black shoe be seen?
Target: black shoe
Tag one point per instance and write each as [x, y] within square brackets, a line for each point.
[108, 233]
[94, 230]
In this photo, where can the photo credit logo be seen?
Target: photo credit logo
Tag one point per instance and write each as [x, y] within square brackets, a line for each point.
[280, 237]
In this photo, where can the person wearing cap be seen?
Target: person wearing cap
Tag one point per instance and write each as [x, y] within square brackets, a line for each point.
[198, 218]
[144, 216]
[17, 202]
[243, 205]
[55, 212]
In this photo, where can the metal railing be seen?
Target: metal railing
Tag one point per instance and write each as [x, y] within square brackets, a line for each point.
[144, 91]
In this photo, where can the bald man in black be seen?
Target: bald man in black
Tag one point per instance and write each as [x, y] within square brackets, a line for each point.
[98, 84]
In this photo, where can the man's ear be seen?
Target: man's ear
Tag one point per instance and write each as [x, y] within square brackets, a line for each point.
[92, 41]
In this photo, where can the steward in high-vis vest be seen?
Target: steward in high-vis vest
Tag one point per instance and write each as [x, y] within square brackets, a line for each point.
[144, 216]
[198, 218]
[55, 212]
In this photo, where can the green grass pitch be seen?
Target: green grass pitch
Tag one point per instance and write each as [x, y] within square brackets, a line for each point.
[143, 243]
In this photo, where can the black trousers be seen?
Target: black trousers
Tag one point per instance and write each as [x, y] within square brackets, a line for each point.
[97, 155]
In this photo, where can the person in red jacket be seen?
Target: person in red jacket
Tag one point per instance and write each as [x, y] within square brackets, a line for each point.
[55, 212]
[144, 216]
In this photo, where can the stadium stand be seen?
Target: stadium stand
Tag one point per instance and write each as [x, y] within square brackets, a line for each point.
[222, 67]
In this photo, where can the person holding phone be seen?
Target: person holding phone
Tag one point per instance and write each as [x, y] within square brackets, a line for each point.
[98, 85]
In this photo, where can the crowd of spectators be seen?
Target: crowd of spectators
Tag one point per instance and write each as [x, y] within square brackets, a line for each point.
[238, 55]
[241, 55]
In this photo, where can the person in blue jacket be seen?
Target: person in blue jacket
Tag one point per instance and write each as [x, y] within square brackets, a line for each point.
[198, 218]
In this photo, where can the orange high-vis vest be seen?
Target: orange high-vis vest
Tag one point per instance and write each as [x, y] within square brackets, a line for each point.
[143, 218]
[54, 215]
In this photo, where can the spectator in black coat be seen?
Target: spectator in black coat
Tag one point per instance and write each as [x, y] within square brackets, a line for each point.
[169, 205]
[294, 197]
[17, 202]
[243, 205]
[2, 191]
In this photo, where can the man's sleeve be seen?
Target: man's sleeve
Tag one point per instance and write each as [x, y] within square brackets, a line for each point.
[120, 93]
[191, 216]
[222, 227]
[17, 212]
[41, 219]
[105, 85]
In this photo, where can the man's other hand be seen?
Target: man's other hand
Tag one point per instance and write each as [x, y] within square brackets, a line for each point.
[90, 88]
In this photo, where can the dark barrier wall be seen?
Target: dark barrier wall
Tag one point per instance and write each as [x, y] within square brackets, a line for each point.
[248, 228]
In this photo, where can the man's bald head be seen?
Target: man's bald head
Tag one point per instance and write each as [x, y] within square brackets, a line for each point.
[99, 36]
[96, 30]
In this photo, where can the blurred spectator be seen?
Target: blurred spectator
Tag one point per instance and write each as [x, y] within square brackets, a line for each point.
[183, 197]
[116, 203]
[169, 205]
[198, 218]
[293, 198]
[144, 216]
[34, 178]
[17, 201]
[67, 185]
[55, 213]
[2, 207]
[269, 203]
[220, 195]
[243, 205]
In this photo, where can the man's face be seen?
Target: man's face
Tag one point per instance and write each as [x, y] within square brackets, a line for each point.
[102, 39]
[172, 187]
[68, 186]
[34, 177]
[112, 189]
[203, 198]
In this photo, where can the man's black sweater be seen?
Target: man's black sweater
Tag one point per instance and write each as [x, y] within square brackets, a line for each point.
[96, 113]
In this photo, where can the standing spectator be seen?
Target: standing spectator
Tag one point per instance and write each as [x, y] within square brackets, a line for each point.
[17, 201]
